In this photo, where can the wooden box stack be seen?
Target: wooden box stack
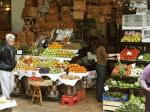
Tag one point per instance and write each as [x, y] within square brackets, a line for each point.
[66, 13]
[79, 7]
[52, 15]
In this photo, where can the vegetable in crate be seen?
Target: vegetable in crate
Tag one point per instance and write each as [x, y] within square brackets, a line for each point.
[129, 54]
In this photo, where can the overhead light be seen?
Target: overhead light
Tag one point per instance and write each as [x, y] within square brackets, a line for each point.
[1, 3]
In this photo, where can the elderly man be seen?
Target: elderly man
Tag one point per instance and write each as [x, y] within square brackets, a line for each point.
[7, 64]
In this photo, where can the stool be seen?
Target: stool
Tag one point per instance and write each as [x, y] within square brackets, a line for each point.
[70, 100]
[37, 94]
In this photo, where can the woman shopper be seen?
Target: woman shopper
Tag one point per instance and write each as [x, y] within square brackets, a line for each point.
[7, 64]
[145, 82]
[102, 55]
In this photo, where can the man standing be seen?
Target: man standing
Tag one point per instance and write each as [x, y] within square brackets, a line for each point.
[7, 64]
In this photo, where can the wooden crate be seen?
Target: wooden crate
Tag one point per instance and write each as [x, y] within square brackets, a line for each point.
[79, 5]
[29, 12]
[105, 9]
[69, 24]
[50, 18]
[78, 15]
[106, 1]
[53, 11]
[29, 3]
[93, 10]
[66, 2]
[111, 105]
[66, 18]
[65, 10]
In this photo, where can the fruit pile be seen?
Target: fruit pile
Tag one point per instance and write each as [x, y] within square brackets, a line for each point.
[121, 70]
[27, 63]
[135, 104]
[58, 53]
[77, 68]
[44, 70]
[75, 46]
[132, 36]
[129, 54]
[70, 77]
[55, 71]
[126, 70]
[121, 84]
[55, 45]
[146, 57]
[53, 64]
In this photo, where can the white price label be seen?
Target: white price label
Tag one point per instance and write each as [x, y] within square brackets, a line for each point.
[106, 88]
[19, 52]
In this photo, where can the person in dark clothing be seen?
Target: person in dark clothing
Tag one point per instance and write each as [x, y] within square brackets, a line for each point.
[7, 64]
[102, 55]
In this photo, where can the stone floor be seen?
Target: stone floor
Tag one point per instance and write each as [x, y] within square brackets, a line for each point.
[88, 105]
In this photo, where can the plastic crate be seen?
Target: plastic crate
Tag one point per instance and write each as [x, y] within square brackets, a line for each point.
[109, 98]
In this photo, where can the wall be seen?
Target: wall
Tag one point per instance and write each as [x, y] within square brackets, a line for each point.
[17, 22]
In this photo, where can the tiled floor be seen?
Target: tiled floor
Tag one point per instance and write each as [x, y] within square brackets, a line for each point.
[88, 105]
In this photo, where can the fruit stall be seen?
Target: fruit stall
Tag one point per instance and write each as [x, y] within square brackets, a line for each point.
[54, 72]
[122, 88]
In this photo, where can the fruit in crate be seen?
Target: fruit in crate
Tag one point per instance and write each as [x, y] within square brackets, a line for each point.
[75, 46]
[145, 57]
[121, 70]
[77, 68]
[131, 36]
[56, 71]
[129, 54]
[121, 84]
[58, 53]
[70, 77]
[55, 45]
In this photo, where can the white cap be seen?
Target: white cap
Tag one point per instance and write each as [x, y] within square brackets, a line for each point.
[10, 36]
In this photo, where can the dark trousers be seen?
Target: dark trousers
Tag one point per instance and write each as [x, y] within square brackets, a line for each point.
[101, 77]
[147, 105]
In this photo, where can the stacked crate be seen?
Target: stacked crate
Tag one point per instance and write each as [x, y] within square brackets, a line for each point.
[52, 15]
[79, 7]
[105, 10]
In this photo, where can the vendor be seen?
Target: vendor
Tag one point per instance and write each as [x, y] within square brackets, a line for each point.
[101, 55]
[145, 82]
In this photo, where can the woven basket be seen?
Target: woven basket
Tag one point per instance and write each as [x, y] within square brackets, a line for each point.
[78, 15]
[65, 10]
[79, 5]
[40, 2]
[33, 12]
[102, 19]
[40, 20]
[30, 3]
[93, 10]
[66, 18]
[53, 11]
[106, 1]
[52, 18]
[30, 37]
[106, 9]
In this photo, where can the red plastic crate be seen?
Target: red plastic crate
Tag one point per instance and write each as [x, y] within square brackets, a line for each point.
[70, 100]
[81, 94]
